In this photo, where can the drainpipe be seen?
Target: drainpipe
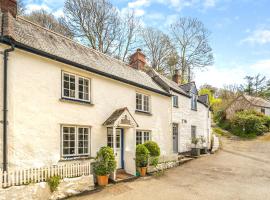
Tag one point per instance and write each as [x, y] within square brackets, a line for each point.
[5, 106]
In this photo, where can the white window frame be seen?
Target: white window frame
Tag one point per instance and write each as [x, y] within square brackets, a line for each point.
[143, 136]
[77, 77]
[175, 101]
[143, 103]
[76, 127]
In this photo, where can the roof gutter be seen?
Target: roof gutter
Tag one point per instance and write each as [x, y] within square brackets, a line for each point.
[5, 105]
[83, 67]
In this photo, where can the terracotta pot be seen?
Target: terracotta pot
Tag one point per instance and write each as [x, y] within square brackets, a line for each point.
[102, 180]
[143, 171]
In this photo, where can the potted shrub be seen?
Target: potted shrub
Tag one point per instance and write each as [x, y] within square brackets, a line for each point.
[105, 165]
[142, 155]
[195, 151]
[154, 152]
[204, 146]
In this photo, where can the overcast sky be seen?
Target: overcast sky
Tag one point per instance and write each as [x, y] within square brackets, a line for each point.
[240, 31]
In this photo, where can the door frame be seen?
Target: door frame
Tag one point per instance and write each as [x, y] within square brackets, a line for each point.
[121, 146]
[177, 137]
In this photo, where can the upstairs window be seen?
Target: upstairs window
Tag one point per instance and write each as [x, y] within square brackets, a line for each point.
[142, 137]
[175, 101]
[142, 102]
[263, 110]
[193, 102]
[75, 87]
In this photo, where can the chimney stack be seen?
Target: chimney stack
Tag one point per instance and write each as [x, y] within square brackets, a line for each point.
[137, 60]
[177, 77]
[9, 6]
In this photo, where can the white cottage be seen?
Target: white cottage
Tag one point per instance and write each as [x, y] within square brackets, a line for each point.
[62, 101]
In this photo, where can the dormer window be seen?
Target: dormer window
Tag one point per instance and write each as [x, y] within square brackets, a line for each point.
[193, 101]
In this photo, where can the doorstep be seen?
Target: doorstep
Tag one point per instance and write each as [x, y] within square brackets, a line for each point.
[122, 176]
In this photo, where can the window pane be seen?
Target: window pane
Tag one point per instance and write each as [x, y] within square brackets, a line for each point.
[138, 137]
[83, 89]
[138, 101]
[68, 142]
[146, 103]
[83, 135]
[146, 136]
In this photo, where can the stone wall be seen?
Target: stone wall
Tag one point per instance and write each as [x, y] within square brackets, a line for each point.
[41, 191]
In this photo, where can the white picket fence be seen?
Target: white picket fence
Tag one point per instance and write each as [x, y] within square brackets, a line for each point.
[36, 175]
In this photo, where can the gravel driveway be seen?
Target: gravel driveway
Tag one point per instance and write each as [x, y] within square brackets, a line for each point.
[240, 171]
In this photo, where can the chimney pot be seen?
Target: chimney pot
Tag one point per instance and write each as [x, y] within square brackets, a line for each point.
[137, 60]
[9, 6]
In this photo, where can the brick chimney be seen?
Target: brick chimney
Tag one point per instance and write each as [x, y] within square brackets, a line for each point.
[9, 6]
[177, 77]
[137, 60]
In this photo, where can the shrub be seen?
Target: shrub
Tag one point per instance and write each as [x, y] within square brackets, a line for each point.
[53, 182]
[248, 124]
[105, 162]
[195, 141]
[219, 116]
[142, 155]
[153, 148]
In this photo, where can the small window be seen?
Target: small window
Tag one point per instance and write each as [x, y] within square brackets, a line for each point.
[75, 87]
[110, 138]
[193, 131]
[142, 137]
[142, 102]
[193, 102]
[75, 141]
[175, 101]
[263, 110]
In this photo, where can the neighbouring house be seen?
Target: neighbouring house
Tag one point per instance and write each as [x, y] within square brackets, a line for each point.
[246, 102]
[190, 113]
[62, 101]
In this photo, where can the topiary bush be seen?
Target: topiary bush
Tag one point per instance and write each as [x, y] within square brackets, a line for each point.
[153, 148]
[142, 155]
[248, 124]
[105, 162]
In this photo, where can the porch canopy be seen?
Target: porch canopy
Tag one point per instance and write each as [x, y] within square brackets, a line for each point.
[121, 118]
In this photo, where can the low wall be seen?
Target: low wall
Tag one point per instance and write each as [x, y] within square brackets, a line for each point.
[67, 187]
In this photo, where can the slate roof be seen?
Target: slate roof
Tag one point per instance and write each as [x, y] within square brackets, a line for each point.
[258, 101]
[31, 35]
[204, 99]
[188, 86]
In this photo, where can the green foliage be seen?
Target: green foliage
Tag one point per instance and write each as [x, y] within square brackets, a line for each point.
[195, 141]
[54, 182]
[221, 132]
[105, 162]
[214, 102]
[248, 124]
[154, 161]
[153, 148]
[142, 155]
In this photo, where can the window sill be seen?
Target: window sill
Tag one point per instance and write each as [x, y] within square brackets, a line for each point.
[76, 158]
[143, 112]
[63, 99]
[194, 109]
[176, 106]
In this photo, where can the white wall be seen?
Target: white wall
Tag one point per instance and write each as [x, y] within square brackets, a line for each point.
[185, 117]
[36, 111]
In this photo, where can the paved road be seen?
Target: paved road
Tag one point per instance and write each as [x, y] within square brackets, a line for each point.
[241, 171]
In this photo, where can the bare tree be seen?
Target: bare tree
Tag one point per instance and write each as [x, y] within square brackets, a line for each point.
[126, 41]
[47, 20]
[191, 40]
[21, 7]
[158, 48]
[98, 24]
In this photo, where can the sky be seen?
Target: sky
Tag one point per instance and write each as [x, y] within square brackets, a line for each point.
[240, 31]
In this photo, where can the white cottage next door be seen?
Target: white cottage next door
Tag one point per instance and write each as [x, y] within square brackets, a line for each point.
[119, 144]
